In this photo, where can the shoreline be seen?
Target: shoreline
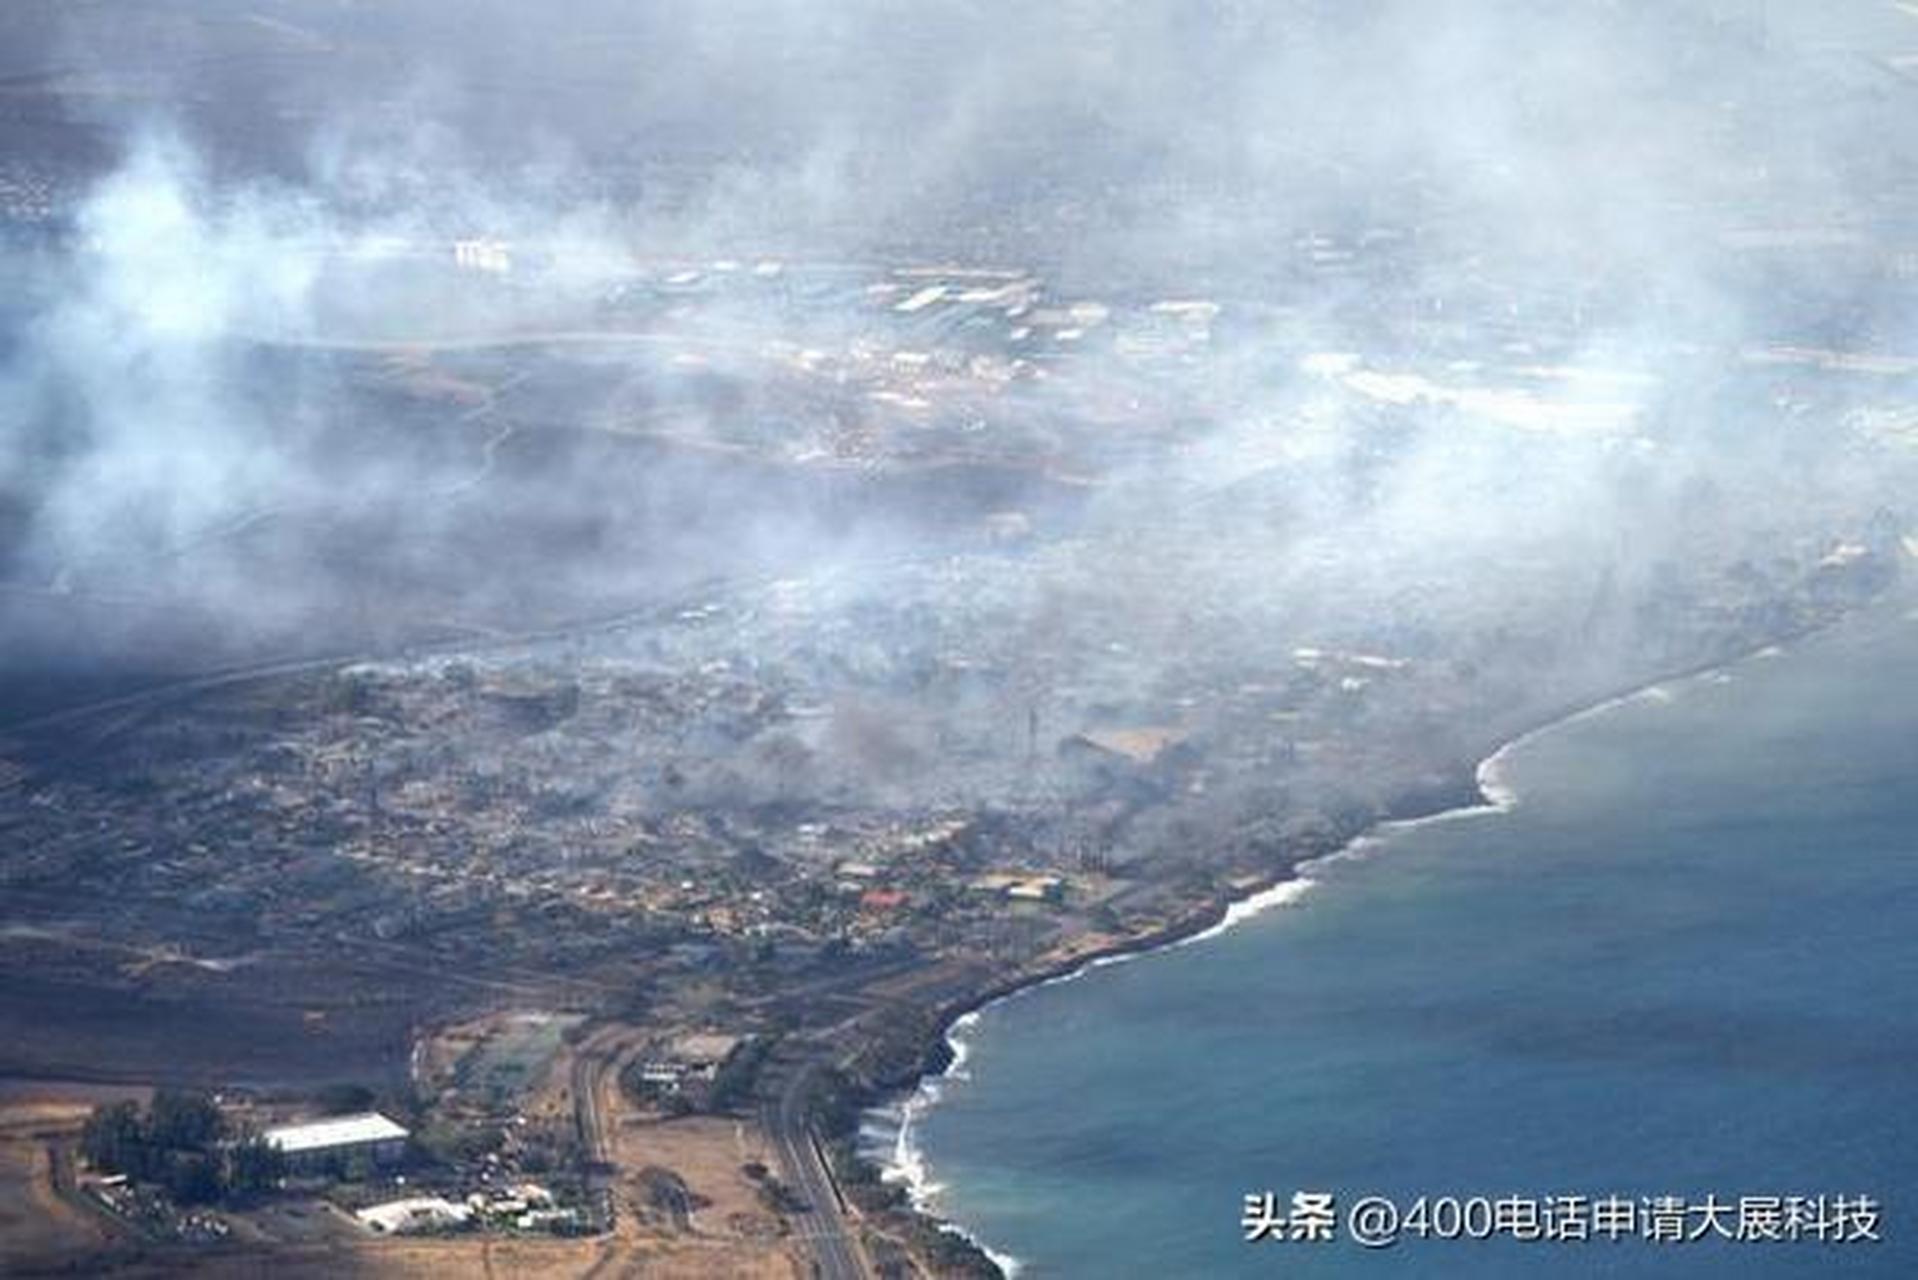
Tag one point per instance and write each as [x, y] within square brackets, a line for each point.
[946, 1056]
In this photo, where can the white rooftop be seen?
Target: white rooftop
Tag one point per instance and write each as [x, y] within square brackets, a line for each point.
[420, 1213]
[335, 1131]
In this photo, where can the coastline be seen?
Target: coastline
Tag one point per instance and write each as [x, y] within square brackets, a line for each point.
[1487, 794]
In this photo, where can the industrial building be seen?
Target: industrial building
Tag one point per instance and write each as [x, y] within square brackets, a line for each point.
[315, 1145]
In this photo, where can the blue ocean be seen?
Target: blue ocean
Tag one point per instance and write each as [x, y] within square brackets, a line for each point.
[1678, 976]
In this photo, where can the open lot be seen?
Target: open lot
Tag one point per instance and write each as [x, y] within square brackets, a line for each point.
[40, 1227]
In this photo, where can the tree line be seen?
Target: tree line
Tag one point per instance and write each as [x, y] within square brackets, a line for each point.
[183, 1143]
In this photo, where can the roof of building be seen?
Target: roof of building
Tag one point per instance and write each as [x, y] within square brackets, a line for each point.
[418, 1213]
[334, 1131]
[704, 1046]
[1141, 746]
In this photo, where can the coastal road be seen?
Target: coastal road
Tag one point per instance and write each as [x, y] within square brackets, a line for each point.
[838, 1255]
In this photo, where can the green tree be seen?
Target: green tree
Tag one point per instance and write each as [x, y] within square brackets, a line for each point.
[114, 1139]
[254, 1166]
[191, 1177]
[183, 1121]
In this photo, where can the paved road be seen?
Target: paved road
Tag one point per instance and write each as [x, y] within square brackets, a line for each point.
[592, 1066]
[838, 1255]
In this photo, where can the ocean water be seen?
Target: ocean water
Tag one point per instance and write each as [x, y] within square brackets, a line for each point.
[1683, 963]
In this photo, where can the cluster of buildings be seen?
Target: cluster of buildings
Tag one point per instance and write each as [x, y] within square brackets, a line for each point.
[370, 1148]
[694, 1058]
[527, 1207]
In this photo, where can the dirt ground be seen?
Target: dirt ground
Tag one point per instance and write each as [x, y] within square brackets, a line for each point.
[708, 1155]
[497, 1259]
[37, 1228]
[597, 1260]
[726, 1224]
[728, 1231]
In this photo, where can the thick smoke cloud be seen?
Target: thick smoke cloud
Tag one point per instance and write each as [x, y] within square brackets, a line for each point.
[132, 355]
[1526, 187]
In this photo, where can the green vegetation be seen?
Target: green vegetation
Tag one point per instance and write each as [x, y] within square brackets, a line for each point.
[451, 1143]
[345, 1099]
[182, 1144]
[734, 1082]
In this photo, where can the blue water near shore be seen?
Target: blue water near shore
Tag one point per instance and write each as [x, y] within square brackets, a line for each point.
[1686, 962]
